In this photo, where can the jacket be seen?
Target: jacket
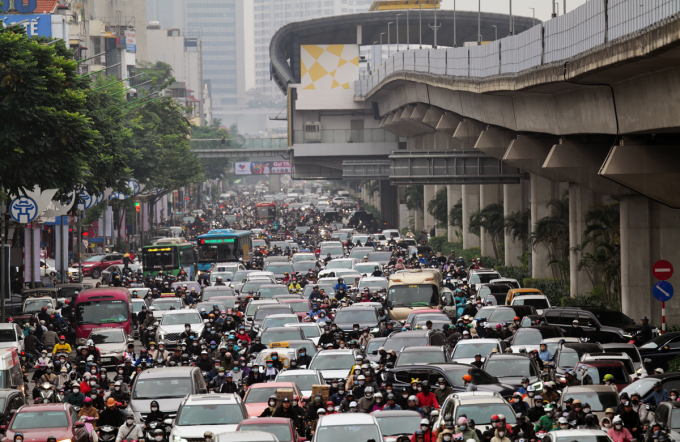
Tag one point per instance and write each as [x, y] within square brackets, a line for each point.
[135, 432]
[427, 400]
[622, 435]
[546, 423]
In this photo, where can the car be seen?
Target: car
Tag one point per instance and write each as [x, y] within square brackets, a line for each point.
[477, 405]
[94, 265]
[611, 356]
[397, 423]
[304, 379]
[360, 252]
[599, 397]
[334, 364]
[482, 276]
[466, 349]
[568, 354]
[280, 334]
[347, 427]
[302, 256]
[495, 292]
[510, 281]
[301, 307]
[38, 422]
[264, 311]
[311, 330]
[382, 257]
[172, 325]
[243, 290]
[511, 368]
[11, 336]
[284, 354]
[453, 373]
[111, 343]
[373, 283]
[498, 314]
[278, 269]
[349, 275]
[257, 396]
[518, 292]
[539, 301]
[239, 277]
[666, 415]
[597, 370]
[282, 298]
[168, 386]
[579, 435]
[398, 340]
[163, 305]
[658, 352]
[419, 315]
[630, 349]
[298, 344]
[373, 347]
[231, 267]
[329, 289]
[422, 355]
[367, 268]
[346, 317]
[252, 307]
[532, 337]
[226, 277]
[282, 428]
[552, 343]
[279, 320]
[213, 291]
[207, 412]
[106, 273]
[600, 324]
[245, 436]
[305, 266]
[11, 400]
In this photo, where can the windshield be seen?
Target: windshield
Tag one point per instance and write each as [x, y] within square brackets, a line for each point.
[309, 288]
[382, 283]
[278, 268]
[483, 278]
[30, 420]
[215, 414]
[470, 350]
[374, 345]
[397, 343]
[586, 438]
[340, 264]
[393, 426]
[299, 307]
[160, 258]
[35, 305]
[7, 335]
[359, 254]
[165, 304]
[281, 431]
[184, 318]
[421, 357]
[260, 314]
[537, 303]
[356, 316]
[102, 312]
[162, 388]
[309, 257]
[528, 336]
[254, 286]
[333, 251]
[502, 368]
[252, 307]
[102, 337]
[304, 266]
[333, 362]
[94, 258]
[303, 381]
[224, 251]
[365, 268]
[482, 413]
[612, 318]
[226, 276]
[268, 337]
[598, 373]
[311, 332]
[209, 294]
[278, 322]
[241, 275]
[270, 292]
[414, 295]
[567, 359]
[597, 401]
[379, 256]
[629, 350]
[258, 395]
[344, 433]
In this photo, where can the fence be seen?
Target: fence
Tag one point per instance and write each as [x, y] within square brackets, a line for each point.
[586, 27]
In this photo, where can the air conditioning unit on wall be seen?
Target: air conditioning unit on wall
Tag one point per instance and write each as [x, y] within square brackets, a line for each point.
[313, 132]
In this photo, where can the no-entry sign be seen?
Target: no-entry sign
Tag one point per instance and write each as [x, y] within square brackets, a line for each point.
[662, 270]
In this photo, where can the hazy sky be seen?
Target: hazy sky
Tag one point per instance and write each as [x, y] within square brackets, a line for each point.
[519, 7]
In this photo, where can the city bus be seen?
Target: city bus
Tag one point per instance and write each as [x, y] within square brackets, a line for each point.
[265, 212]
[169, 255]
[223, 245]
[109, 307]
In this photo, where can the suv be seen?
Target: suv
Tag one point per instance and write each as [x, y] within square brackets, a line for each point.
[200, 413]
[38, 422]
[96, 264]
[600, 324]
[168, 386]
[346, 317]
[477, 405]
[398, 340]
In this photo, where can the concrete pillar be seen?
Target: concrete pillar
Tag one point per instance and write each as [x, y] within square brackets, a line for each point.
[275, 183]
[470, 206]
[428, 195]
[418, 220]
[580, 200]
[404, 213]
[513, 201]
[488, 194]
[389, 203]
[454, 193]
[441, 231]
[542, 191]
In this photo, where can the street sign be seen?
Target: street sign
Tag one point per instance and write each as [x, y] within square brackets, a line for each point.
[87, 201]
[663, 291]
[662, 270]
[23, 209]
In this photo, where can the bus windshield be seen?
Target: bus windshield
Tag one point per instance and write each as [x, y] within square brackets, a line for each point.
[102, 312]
[265, 212]
[413, 295]
[224, 250]
[159, 258]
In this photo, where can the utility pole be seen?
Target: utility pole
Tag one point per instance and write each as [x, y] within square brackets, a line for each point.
[455, 45]
[398, 31]
[534, 16]
[495, 28]
[388, 38]
[408, 38]
[479, 23]
[554, 14]
[511, 27]
[3, 264]
[435, 26]
[421, 26]
[200, 80]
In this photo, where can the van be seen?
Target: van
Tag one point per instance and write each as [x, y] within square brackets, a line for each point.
[410, 290]
[10, 369]
[518, 292]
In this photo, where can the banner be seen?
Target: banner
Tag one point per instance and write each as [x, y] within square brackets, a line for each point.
[262, 168]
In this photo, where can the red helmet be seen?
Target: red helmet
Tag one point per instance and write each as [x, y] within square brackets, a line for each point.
[68, 301]
[62, 337]
[44, 309]
[494, 418]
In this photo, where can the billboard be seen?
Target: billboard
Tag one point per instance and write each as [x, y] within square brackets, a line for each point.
[262, 167]
[38, 25]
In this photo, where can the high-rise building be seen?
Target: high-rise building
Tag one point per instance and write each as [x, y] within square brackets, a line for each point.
[270, 15]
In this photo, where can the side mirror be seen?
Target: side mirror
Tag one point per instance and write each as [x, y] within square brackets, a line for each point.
[374, 352]
[168, 422]
[647, 361]
[13, 411]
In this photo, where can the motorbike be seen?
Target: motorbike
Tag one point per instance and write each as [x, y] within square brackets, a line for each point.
[166, 426]
[107, 433]
[48, 394]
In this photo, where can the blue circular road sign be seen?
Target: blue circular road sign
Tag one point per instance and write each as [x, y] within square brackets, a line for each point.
[663, 291]
[23, 209]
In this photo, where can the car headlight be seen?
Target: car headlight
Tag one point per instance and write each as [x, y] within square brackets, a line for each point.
[625, 334]
[65, 440]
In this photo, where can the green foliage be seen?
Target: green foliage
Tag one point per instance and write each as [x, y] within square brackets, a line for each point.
[674, 365]
[415, 197]
[437, 207]
[491, 219]
[456, 214]
[517, 225]
[514, 272]
[159, 73]
[552, 232]
[555, 290]
[213, 167]
[585, 301]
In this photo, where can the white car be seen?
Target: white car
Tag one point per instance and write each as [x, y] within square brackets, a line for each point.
[538, 301]
[346, 274]
[511, 282]
[228, 267]
[465, 350]
[11, 336]
[334, 364]
[367, 268]
[207, 412]
[311, 330]
[172, 325]
[304, 379]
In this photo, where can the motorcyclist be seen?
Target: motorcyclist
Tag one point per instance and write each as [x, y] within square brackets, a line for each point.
[111, 415]
[156, 414]
[130, 430]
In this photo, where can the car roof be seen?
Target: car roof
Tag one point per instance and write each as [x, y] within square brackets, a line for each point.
[272, 384]
[42, 407]
[211, 399]
[336, 351]
[344, 419]
[282, 315]
[182, 311]
[422, 349]
[412, 333]
[575, 434]
[600, 363]
[265, 420]
[579, 389]
[477, 341]
[503, 356]
[297, 372]
[166, 372]
[8, 391]
[395, 413]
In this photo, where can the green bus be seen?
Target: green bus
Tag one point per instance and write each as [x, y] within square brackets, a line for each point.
[169, 255]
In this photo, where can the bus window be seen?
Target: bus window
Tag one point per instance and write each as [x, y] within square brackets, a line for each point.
[159, 258]
[101, 312]
[187, 257]
[218, 252]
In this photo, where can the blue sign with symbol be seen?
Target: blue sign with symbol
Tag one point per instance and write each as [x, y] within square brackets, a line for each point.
[87, 200]
[24, 210]
[663, 291]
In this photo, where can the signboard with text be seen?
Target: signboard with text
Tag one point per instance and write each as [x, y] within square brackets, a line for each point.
[262, 168]
[130, 41]
[39, 25]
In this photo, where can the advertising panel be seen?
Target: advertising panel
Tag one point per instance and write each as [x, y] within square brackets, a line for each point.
[262, 167]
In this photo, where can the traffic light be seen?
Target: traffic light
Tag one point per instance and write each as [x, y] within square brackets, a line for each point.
[137, 205]
[86, 234]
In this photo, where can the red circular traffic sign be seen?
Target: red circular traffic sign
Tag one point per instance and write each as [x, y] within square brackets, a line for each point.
[662, 270]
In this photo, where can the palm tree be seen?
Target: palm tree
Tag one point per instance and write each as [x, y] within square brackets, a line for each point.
[437, 208]
[373, 187]
[552, 232]
[456, 214]
[494, 224]
[415, 198]
[517, 224]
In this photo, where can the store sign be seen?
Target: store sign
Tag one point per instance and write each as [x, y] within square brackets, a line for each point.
[35, 25]
[130, 41]
[262, 168]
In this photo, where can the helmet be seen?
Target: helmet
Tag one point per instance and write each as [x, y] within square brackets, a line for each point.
[562, 420]
[608, 377]
[462, 420]
[467, 377]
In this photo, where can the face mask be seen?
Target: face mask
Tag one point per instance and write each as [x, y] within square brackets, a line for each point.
[463, 427]
[330, 409]
[93, 371]
[362, 382]
[270, 365]
[272, 403]
[635, 401]
[341, 392]
[365, 334]
[187, 328]
[356, 328]
[154, 408]
[93, 383]
[420, 388]
[159, 438]
[221, 374]
[424, 427]
[549, 413]
[404, 395]
[116, 388]
[447, 438]
[275, 357]
[130, 422]
[564, 427]
[60, 360]
[501, 433]
[49, 370]
[93, 396]
[673, 397]
[255, 370]
[195, 344]
[586, 410]
[618, 426]
[76, 391]
[442, 387]
[120, 371]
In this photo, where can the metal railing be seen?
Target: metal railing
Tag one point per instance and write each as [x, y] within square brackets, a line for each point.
[592, 24]
[330, 136]
[247, 143]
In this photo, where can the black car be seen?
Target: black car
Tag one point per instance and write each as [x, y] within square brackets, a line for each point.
[504, 313]
[366, 317]
[453, 373]
[569, 354]
[644, 386]
[534, 335]
[600, 324]
[10, 401]
[511, 368]
[398, 340]
[660, 351]
[498, 291]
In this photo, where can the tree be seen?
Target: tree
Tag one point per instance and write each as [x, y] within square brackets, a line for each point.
[456, 214]
[415, 198]
[517, 225]
[552, 232]
[158, 73]
[491, 219]
[213, 168]
[437, 208]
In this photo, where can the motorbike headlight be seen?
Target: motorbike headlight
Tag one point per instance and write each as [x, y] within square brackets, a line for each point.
[65, 440]
[375, 330]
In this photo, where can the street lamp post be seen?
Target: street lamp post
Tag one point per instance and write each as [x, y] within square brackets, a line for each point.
[479, 23]
[454, 24]
[420, 26]
[398, 31]
[534, 16]
[381, 34]
[375, 56]
[511, 27]
[554, 14]
[495, 28]
[388, 38]
[408, 39]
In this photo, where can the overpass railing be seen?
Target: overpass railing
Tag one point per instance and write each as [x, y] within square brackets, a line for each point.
[345, 136]
[246, 143]
[590, 25]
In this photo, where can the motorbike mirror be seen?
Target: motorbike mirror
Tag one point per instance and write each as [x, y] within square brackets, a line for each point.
[3, 428]
[13, 411]
[79, 424]
[168, 422]
[647, 361]
[374, 352]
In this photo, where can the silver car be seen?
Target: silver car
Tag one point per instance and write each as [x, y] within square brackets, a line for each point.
[112, 343]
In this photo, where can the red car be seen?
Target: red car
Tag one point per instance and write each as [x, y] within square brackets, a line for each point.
[597, 370]
[96, 264]
[38, 422]
[301, 307]
[257, 397]
[280, 427]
